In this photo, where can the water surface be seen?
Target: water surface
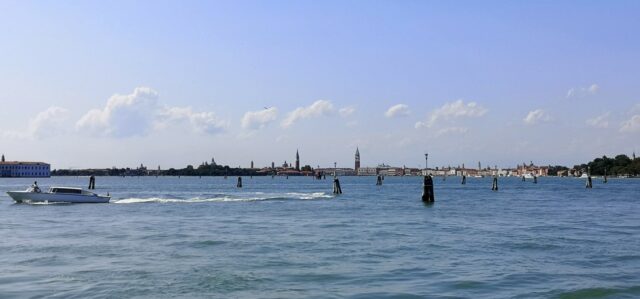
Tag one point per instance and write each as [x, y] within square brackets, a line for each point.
[196, 237]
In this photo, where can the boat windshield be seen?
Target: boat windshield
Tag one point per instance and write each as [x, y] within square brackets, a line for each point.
[66, 190]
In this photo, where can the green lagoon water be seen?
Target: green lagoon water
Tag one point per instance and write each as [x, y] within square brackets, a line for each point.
[171, 237]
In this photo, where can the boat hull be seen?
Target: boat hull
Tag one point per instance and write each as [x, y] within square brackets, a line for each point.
[25, 196]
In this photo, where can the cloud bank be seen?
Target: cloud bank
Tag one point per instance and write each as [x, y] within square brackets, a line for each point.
[123, 115]
[453, 110]
[631, 125]
[536, 116]
[202, 122]
[397, 111]
[317, 109]
[255, 120]
[600, 121]
[579, 92]
[138, 113]
[346, 111]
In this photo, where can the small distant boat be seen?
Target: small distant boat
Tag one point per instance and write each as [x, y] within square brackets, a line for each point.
[528, 176]
[58, 194]
[478, 176]
[584, 176]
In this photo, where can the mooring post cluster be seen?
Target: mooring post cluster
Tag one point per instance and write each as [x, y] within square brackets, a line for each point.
[239, 185]
[379, 181]
[464, 179]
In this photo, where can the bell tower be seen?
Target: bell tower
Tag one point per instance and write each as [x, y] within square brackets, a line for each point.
[357, 166]
[2, 158]
[297, 161]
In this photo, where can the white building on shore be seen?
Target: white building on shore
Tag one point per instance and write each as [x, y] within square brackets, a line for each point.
[21, 169]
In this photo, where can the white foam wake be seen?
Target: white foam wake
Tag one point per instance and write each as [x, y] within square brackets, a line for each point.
[263, 197]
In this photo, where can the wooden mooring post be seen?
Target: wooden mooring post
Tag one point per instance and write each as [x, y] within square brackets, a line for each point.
[92, 182]
[494, 185]
[336, 186]
[427, 190]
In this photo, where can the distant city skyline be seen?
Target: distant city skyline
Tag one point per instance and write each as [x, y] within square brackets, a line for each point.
[90, 84]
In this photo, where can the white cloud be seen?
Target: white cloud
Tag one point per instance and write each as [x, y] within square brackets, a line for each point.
[48, 122]
[138, 113]
[203, 122]
[255, 120]
[536, 116]
[45, 124]
[579, 92]
[346, 111]
[631, 125]
[452, 130]
[601, 121]
[317, 109]
[123, 115]
[453, 110]
[397, 111]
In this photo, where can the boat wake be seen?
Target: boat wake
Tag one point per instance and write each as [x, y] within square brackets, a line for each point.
[227, 198]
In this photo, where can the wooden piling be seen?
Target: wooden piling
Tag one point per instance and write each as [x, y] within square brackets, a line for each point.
[427, 190]
[379, 181]
[605, 176]
[523, 178]
[92, 182]
[589, 183]
[464, 179]
[336, 186]
[494, 185]
[535, 179]
[239, 185]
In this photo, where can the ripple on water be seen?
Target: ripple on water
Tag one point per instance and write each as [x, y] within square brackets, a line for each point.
[593, 293]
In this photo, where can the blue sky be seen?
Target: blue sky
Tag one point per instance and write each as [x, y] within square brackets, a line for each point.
[95, 84]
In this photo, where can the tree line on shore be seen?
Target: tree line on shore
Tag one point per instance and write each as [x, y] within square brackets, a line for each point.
[202, 170]
[620, 165]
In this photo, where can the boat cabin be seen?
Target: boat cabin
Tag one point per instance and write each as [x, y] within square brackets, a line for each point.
[65, 190]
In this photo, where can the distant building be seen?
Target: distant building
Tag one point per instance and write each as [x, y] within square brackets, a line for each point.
[337, 171]
[367, 171]
[21, 169]
[391, 171]
[532, 169]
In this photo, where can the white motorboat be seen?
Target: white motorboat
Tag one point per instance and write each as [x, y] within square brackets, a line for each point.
[584, 176]
[528, 176]
[58, 194]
